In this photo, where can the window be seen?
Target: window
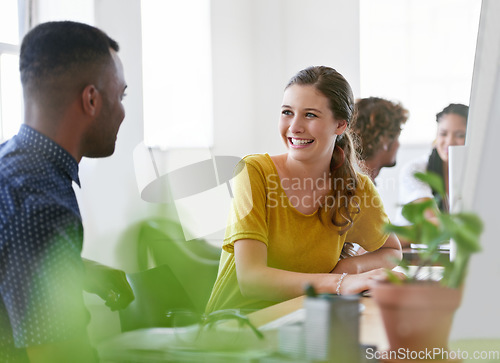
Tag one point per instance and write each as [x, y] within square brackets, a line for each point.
[177, 73]
[11, 30]
[419, 52]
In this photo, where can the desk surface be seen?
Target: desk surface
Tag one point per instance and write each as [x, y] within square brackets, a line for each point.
[372, 330]
[159, 344]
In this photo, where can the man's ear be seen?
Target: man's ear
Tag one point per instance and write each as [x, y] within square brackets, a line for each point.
[341, 126]
[91, 100]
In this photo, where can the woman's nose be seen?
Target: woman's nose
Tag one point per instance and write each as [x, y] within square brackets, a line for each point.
[296, 126]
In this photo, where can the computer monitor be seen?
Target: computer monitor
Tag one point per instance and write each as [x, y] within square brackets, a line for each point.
[478, 315]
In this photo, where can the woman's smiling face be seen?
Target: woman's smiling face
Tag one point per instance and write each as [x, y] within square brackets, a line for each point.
[451, 131]
[307, 124]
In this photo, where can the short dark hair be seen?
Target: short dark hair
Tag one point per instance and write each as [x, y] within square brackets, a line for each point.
[377, 118]
[454, 108]
[54, 48]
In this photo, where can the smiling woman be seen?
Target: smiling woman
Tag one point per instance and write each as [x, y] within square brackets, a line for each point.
[304, 206]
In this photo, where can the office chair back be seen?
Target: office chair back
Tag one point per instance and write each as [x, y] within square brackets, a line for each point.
[156, 291]
[193, 263]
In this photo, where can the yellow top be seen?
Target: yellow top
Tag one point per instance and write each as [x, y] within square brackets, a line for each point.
[295, 242]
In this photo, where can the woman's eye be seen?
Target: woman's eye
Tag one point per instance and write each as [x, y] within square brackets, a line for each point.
[310, 114]
[286, 112]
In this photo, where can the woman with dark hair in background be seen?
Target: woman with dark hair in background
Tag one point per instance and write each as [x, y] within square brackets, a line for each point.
[452, 127]
[293, 213]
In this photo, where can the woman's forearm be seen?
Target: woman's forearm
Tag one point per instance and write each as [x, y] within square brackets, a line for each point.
[256, 280]
[259, 281]
[279, 285]
[387, 256]
[267, 283]
[382, 258]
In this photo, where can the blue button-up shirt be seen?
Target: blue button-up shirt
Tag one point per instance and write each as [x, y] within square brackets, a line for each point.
[41, 235]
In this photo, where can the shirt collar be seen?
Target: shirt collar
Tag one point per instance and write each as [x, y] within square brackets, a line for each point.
[50, 149]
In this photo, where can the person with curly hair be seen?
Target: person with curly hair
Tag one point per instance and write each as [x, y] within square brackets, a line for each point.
[377, 128]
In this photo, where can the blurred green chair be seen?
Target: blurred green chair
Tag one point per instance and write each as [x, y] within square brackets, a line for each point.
[193, 263]
[156, 291]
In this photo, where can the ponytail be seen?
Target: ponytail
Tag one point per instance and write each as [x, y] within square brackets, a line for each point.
[344, 180]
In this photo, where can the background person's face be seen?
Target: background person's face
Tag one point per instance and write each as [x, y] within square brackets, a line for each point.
[451, 131]
[388, 158]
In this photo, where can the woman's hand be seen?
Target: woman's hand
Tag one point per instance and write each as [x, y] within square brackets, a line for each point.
[259, 281]
[357, 283]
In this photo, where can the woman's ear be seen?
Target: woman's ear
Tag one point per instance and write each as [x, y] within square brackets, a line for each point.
[91, 100]
[341, 126]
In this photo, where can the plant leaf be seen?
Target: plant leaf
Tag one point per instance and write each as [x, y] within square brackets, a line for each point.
[391, 276]
[472, 221]
[406, 232]
[458, 270]
[465, 237]
[414, 212]
[433, 180]
[429, 233]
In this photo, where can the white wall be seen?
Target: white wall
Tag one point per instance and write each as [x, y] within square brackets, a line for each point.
[109, 200]
[257, 46]
[52, 10]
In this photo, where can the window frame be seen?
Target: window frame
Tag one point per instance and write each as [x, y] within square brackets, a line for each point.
[25, 20]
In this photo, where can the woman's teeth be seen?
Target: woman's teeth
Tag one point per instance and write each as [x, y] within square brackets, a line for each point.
[300, 141]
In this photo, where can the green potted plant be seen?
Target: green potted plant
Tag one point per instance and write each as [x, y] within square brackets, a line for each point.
[418, 314]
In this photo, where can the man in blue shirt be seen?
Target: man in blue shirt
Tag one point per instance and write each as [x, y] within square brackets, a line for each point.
[73, 85]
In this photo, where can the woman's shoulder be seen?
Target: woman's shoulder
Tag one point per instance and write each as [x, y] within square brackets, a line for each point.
[365, 184]
[261, 162]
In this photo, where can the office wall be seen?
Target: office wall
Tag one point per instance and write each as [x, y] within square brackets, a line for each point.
[109, 200]
[257, 46]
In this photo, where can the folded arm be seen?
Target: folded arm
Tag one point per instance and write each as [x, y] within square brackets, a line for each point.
[387, 256]
[259, 281]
